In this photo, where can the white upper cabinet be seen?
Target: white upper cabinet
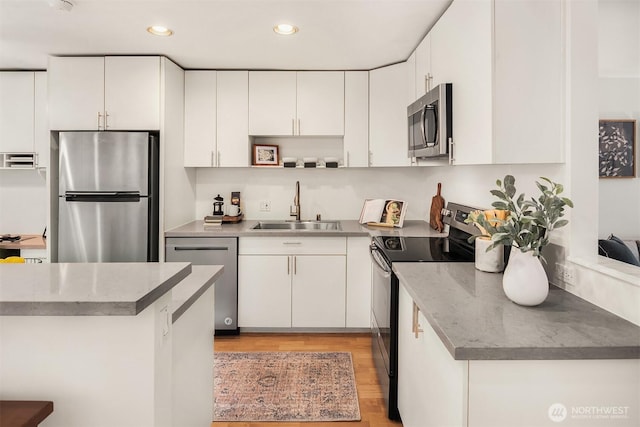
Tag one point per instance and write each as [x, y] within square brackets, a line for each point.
[272, 102]
[320, 102]
[505, 61]
[41, 135]
[423, 66]
[232, 123]
[528, 76]
[390, 92]
[284, 103]
[132, 92]
[17, 92]
[104, 93]
[76, 93]
[356, 123]
[461, 55]
[216, 125]
[200, 118]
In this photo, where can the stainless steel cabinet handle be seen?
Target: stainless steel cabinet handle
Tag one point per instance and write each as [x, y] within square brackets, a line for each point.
[288, 265]
[299, 133]
[291, 243]
[451, 158]
[99, 117]
[293, 126]
[200, 248]
[416, 325]
[295, 265]
[218, 159]
[106, 120]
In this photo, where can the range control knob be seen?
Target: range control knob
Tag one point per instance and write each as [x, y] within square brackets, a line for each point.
[228, 321]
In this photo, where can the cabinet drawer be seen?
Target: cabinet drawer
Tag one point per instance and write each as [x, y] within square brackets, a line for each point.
[292, 245]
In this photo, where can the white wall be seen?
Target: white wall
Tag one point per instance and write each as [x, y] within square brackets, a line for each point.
[619, 98]
[23, 202]
[340, 193]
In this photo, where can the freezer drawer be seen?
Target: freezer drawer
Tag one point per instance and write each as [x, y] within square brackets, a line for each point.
[99, 231]
[213, 251]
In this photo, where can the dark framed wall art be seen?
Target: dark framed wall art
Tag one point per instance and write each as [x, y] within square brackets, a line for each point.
[617, 148]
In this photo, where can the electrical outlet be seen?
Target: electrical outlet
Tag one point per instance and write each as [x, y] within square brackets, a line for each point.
[265, 206]
[564, 273]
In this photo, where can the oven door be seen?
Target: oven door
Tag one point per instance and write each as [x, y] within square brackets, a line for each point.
[381, 305]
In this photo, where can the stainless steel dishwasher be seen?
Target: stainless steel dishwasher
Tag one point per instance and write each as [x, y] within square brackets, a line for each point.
[213, 251]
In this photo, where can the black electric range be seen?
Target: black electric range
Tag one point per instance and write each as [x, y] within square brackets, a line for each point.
[386, 250]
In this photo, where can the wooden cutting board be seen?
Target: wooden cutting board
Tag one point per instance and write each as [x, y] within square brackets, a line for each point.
[435, 216]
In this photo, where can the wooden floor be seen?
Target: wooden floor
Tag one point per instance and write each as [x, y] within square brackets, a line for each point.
[369, 393]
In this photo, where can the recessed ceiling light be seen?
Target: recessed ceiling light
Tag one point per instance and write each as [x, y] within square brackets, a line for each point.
[285, 29]
[159, 30]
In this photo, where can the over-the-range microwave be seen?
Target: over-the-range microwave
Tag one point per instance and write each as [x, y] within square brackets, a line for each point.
[430, 123]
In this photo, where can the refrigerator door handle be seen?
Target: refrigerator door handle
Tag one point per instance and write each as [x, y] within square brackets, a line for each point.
[102, 196]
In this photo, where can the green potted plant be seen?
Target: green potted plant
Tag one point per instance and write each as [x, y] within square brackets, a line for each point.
[525, 228]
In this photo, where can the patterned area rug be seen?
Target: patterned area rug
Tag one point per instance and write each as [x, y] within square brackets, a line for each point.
[284, 386]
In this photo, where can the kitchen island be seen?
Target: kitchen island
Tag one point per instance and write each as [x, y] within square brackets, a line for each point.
[478, 359]
[99, 340]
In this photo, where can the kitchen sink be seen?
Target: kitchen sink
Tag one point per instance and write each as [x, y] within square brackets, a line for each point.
[298, 225]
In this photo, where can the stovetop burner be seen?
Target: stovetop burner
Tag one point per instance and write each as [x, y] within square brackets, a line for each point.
[454, 247]
[423, 249]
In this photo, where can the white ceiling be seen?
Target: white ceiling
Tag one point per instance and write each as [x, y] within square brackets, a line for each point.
[220, 34]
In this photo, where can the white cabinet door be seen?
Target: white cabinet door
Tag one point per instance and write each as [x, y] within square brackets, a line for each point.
[356, 121]
[232, 119]
[388, 101]
[16, 111]
[423, 66]
[76, 92]
[264, 291]
[132, 92]
[320, 103]
[97, 93]
[461, 54]
[528, 75]
[318, 291]
[272, 102]
[296, 103]
[41, 135]
[358, 283]
[432, 386]
[412, 377]
[200, 118]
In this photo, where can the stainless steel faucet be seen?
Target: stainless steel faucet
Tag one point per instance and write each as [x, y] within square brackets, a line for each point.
[295, 209]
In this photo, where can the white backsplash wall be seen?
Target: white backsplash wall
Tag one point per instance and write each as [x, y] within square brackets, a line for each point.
[340, 193]
[23, 202]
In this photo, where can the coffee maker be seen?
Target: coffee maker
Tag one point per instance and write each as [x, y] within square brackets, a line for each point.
[218, 206]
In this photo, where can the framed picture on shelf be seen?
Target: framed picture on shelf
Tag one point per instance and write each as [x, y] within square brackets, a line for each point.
[265, 155]
[617, 148]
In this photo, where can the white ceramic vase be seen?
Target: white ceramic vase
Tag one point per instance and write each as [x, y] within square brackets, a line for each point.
[525, 281]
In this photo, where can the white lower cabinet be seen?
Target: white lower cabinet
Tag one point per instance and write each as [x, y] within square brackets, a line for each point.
[435, 390]
[358, 283]
[291, 282]
[432, 386]
[264, 291]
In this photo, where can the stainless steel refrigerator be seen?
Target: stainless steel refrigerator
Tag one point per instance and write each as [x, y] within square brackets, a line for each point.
[108, 197]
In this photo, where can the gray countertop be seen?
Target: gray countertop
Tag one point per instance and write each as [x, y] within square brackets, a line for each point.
[474, 319]
[350, 228]
[91, 289]
[185, 293]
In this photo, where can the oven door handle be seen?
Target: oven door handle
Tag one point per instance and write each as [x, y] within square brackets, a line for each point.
[378, 261]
